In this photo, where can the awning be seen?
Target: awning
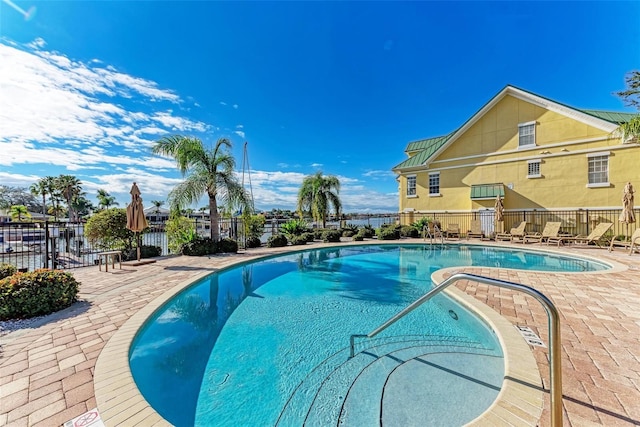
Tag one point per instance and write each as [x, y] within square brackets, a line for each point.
[487, 191]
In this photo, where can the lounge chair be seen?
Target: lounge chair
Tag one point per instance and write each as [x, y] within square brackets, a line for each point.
[515, 233]
[551, 229]
[452, 231]
[634, 242]
[596, 236]
[476, 229]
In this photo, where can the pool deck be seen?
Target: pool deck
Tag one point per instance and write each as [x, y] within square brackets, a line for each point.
[47, 369]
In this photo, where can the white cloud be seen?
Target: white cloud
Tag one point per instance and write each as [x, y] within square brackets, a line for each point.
[239, 133]
[316, 165]
[379, 174]
[235, 106]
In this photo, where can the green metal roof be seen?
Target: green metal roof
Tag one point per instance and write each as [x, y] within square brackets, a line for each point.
[611, 116]
[424, 144]
[487, 191]
[426, 148]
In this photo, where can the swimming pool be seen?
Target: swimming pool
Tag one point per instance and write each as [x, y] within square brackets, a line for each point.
[246, 346]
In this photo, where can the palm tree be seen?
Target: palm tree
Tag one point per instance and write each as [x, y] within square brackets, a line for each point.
[157, 204]
[70, 187]
[105, 200]
[43, 187]
[207, 172]
[18, 211]
[629, 131]
[317, 195]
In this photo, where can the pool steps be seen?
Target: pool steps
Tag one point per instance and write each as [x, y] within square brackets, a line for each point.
[344, 391]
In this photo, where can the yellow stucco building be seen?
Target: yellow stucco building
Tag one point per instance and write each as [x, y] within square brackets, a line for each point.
[536, 153]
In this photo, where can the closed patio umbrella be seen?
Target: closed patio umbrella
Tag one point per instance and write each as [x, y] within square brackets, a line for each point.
[499, 208]
[627, 217]
[136, 220]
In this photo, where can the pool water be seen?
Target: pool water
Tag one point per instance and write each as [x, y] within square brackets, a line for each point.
[266, 343]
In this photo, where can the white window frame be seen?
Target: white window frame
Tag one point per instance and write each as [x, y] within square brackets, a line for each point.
[521, 135]
[591, 157]
[534, 162]
[414, 187]
[435, 175]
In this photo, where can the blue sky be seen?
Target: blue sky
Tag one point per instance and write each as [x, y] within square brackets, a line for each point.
[86, 87]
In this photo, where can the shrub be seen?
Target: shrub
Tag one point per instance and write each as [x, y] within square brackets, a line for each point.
[107, 229]
[331, 236]
[146, 251]
[200, 246]
[348, 233]
[277, 241]
[294, 227]
[367, 231]
[227, 246]
[388, 233]
[361, 235]
[180, 231]
[36, 293]
[309, 236]
[318, 233]
[7, 270]
[298, 240]
[409, 231]
[349, 228]
[254, 227]
[253, 242]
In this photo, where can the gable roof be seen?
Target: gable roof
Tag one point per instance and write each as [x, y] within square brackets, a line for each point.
[428, 148]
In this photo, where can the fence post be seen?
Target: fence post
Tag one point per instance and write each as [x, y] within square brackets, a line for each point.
[46, 244]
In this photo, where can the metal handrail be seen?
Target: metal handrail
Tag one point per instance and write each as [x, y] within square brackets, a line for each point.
[553, 318]
[432, 233]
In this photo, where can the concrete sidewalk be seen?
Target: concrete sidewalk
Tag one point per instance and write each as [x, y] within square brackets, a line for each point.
[47, 370]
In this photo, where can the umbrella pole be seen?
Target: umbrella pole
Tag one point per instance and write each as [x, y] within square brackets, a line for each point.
[138, 245]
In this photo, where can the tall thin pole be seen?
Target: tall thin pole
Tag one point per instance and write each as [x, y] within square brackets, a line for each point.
[245, 166]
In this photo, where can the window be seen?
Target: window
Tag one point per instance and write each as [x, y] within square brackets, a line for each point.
[411, 185]
[533, 169]
[527, 134]
[598, 169]
[434, 184]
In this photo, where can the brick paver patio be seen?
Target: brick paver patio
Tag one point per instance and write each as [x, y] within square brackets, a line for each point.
[47, 370]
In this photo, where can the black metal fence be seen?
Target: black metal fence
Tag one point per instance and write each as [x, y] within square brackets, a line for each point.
[62, 245]
[576, 222]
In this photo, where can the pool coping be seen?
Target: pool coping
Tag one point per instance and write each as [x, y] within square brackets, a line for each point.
[520, 401]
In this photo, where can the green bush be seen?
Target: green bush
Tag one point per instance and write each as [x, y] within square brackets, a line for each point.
[318, 233]
[331, 236]
[294, 227]
[180, 231]
[254, 227]
[349, 228]
[7, 270]
[367, 231]
[298, 240]
[277, 241]
[253, 242]
[227, 246]
[409, 231]
[388, 233]
[36, 293]
[200, 246]
[146, 251]
[348, 233]
[362, 234]
[107, 229]
[309, 236]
